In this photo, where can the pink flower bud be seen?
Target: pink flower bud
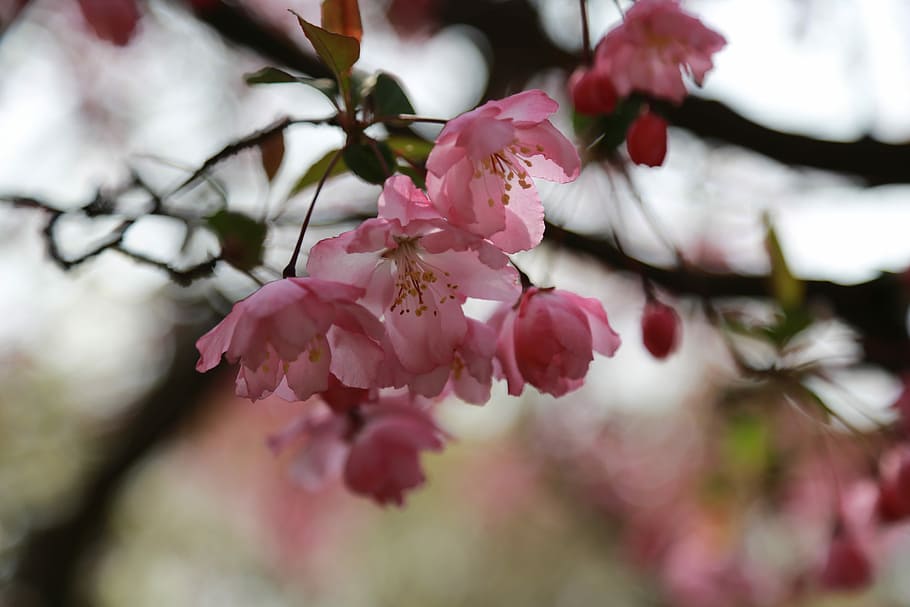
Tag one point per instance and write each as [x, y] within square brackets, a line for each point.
[592, 92]
[660, 329]
[847, 565]
[646, 139]
[113, 21]
[894, 485]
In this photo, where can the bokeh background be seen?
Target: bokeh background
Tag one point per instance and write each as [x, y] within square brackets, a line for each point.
[128, 479]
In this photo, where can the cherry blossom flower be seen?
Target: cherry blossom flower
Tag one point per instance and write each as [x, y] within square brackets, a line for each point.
[660, 329]
[656, 40]
[290, 334]
[548, 338]
[646, 139]
[383, 461]
[375, 446]
[321, 449]
[416, 270]
[479, 172]
[470, 374]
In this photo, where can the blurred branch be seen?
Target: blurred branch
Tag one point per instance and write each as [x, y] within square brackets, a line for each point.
[106, 205]
[48, 572]
[873, 161]
[877, 309]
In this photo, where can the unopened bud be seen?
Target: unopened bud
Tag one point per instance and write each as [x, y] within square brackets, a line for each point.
[592, 92]
[646, 140]
[660, 329]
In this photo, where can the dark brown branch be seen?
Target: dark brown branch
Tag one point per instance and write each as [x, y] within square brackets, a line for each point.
[873, 161]
[876, 308]
[235, 147]
[51, 559]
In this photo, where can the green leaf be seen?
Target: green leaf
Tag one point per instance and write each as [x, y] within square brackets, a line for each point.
[273, 75]
[788, 291]
[338, 52]
[414, 149]
[269, 75]
[272, 152]
[364, 160]
[607, 132]
[241, 238]
[387, 96]
[319, 168]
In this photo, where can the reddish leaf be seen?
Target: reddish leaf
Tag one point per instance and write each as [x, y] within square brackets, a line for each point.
[272, 154]
[338, 52]
[342, 17]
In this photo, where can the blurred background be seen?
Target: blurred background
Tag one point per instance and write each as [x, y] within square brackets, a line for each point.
[721, 476]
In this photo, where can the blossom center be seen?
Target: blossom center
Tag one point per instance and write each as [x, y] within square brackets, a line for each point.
[508, 167]
[418, 287]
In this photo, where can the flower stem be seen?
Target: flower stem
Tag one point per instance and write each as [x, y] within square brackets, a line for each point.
[585, 34]
[290, 270]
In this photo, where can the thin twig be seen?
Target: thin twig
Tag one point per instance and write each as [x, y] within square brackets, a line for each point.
[244, 143]
[585, 33]
[291, 269]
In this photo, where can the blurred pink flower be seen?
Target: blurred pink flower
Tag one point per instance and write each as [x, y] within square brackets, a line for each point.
[383, 461]
[894, 484]
[646, 139]
[849, 562]
[655, 41]
[290, 334]
[479, 172]
[417, 270]
[547, 340]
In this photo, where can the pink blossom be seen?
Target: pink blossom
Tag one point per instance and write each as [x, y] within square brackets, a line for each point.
[469, 375]
[655, 41]
[374, 445]
[660, 329]
[322, 449]
[416, 270]
[290, 334]
[479, 172]
[548, 338]
[849, 562]
[383, 461]
[646, 139]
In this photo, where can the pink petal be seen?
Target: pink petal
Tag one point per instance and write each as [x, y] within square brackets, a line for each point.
[553, 157]
[533, 106]
[309, 374]
[403, 201]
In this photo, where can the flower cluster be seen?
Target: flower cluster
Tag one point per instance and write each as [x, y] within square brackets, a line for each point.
[378, 328]
[647, 54]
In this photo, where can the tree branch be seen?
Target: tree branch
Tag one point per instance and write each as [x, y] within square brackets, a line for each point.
[47, 572]
[876, 308]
